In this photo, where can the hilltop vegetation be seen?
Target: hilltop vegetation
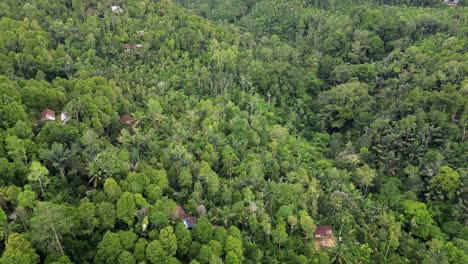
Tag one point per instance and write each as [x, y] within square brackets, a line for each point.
[262, 119]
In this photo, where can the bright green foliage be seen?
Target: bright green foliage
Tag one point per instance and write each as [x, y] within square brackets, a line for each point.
[3, 224]
[168, 240]
[445, 183]
[18, 250]
[126, 208]
[38, 173]
[232, 258]
[234, 245]
[126, 257]
[307, 225]
[418, 218]
[109, 249]
[184, 238]
[140, 250]
[112, 190]
[155, 252]
[279, 234]
[27, 197]
[105, 165]
[203, 231]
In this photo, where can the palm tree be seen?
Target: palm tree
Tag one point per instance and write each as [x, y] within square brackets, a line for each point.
[340, 254]
[222, 216]
[8, 228]
[59, 157]
[95, 174]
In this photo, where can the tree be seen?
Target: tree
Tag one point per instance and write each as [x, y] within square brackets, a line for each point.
[27, 197]
[112, 190]
[16, 149]
[127, 239]
[168, 240]
[155, 252]
[279, 234]
[3, 224]
[205, 254]
[292, 221]
[445, 183]
[418, 218]
[38, 173]
[184, 239]
[234, 245]
[203, 231]
[140, 249]
[86, 216]
[209, 177]
[346, 105]
[105, 164]
[109, 249]
[60, 157]
[126, 208]
[126, 258]
[19, 250]
[365, 176]
[49, 225]
[307, 225]
[106, 214]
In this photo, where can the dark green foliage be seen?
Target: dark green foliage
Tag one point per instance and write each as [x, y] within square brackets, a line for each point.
[263, 120]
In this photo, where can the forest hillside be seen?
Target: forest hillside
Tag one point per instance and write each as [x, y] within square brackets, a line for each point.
[233, 131]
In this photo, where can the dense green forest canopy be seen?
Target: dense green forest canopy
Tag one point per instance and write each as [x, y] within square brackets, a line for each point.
[262, 120]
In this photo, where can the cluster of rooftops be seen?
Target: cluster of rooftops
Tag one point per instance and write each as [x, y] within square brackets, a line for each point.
[118, 10]
[323, 234]
[49, 115]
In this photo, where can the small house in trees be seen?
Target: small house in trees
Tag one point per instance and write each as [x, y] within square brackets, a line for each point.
[129, 47]
[116, 9]
[64, 117]
[189, 221]
[140, 32]
[126, 119]
[48, 115]
[451, 2]
[324, 237]
[90, 11]
[181, 212]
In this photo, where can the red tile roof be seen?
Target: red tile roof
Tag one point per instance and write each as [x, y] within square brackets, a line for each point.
[181, 212]
[126, 118]
[48, 115]
[323, 231]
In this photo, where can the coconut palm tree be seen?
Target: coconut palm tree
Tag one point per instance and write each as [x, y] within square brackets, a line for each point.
[60, 157]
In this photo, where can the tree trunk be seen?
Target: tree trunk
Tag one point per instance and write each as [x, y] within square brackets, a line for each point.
[388, 247]
[57, 240]
[40, 184]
